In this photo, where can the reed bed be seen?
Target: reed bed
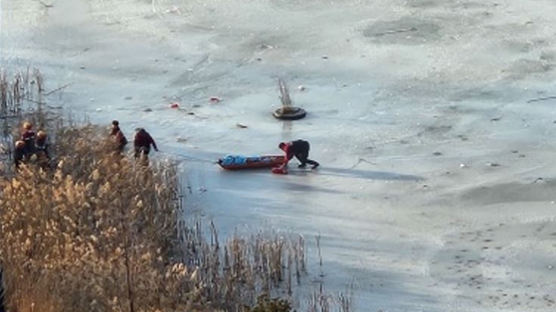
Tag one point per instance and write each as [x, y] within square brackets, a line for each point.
[101, 233]
[21, 96]
[21, 99]
[94, 234]
[96, 231]
[246, 267]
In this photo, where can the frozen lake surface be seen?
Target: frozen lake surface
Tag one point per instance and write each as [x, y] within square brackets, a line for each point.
[432, 120]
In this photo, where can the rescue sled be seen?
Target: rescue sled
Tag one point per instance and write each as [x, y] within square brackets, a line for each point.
[237, 162]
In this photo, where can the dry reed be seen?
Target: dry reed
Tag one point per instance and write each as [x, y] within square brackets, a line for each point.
[98, 232]
[94, 234]
[21, 99]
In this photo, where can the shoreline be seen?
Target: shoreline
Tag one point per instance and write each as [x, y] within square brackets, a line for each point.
[400, 237]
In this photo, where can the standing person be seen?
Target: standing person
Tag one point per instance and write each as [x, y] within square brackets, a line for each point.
[299, 149]
[28, 137]
[142, 142]
[118, 136]
[19, 153]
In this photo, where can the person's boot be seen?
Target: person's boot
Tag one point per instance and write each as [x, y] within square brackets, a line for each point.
[315, 166]
[303, 165]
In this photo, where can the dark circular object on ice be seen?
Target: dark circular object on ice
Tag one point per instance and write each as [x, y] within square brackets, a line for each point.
[291, 113]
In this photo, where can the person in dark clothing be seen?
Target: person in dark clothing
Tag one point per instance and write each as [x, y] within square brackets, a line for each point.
[41, 150]
[118, 136]
[28, 136]
[19, 153]
[143, 142]
[41, 146]
[299, 149]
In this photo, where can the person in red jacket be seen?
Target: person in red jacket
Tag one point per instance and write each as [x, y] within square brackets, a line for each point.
[299, 149]
[118, 136]
[143, 142]
[28, 136]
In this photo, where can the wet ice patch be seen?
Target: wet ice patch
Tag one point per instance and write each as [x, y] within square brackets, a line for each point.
[522, 68]
[522, 46]
[510, 193]
[430, 4]
[424, 4]
[406, 30]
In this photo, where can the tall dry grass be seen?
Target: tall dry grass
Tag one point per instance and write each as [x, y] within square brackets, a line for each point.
[95, 234]
[21, 96]
[101, 233]
[98, 232]
[21, 99]
[245, 267]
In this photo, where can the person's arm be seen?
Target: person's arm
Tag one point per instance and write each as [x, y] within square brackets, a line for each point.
[153, 143]
[287, 157]
[285, 163]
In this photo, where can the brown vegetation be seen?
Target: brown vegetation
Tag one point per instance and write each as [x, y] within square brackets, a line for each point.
[21, 98]
[98, 232]
[95, 234]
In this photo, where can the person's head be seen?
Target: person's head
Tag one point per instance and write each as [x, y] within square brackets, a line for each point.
[282, 145]
[19, 145]
[41, 135]
[27, 125]
[115, 123]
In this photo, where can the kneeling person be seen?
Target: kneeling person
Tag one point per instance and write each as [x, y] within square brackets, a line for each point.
[299, 149]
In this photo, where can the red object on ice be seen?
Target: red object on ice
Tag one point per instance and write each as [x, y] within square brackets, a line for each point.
[215, 99]
[279, 170]
[174, 105]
